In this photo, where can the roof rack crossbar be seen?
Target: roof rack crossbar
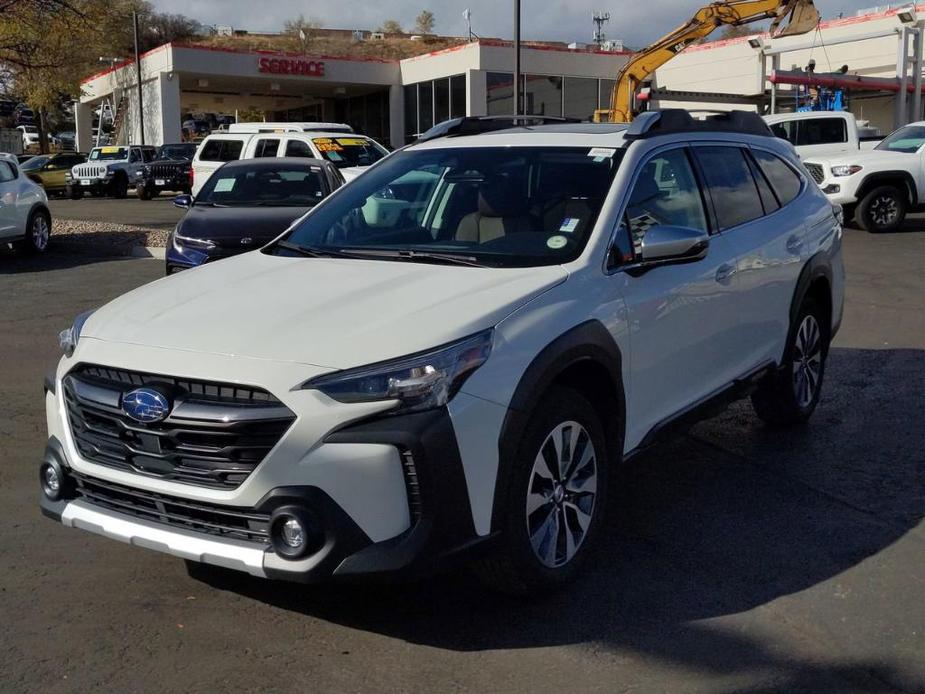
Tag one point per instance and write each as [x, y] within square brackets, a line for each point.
[475, 125]
[676, 120]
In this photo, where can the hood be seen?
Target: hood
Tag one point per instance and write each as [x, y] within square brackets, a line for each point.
[880, 158]
[219, 224]
[328, 312]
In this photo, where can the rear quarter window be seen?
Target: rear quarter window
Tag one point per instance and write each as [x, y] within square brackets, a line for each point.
[783, 179]
[731, 185]
[221, 150]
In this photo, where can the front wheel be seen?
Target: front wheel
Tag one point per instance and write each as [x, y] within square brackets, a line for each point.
[556, 498]
[120, 188]
[142, 192]
[882, 209]
[790, 396]
[38, 233]
[75, 192]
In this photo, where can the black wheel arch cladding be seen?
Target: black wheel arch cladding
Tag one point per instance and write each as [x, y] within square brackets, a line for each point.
[585, 348]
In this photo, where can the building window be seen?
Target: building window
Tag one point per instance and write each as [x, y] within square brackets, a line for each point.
[411, 111]
[441, 100]
[425, 106]
[606, 93]
[542, 95]
[457, 96]
[499, 88]
[580, 97]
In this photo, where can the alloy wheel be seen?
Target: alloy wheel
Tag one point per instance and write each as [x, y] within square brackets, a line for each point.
[40, 232]
[884, 210]
[561, 494]
[807, 361]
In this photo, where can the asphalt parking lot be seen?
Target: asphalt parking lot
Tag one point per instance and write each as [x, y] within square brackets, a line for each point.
[738, 558]
[156, 213]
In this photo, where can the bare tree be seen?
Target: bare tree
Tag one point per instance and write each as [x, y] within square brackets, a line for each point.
[424, 22]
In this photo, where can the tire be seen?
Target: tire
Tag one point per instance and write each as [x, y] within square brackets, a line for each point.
[791, 395]
[74, 192]
[538, 506]
[38, 233]
[142, 192]
[849, 212]
[882, 209]
[119, 187]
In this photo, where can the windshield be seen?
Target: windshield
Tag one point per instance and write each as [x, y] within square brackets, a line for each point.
[177, 152]
[498, 206]
[109, 154]
[34, 164]
[268, 186]
[907, 140]
[349, 151]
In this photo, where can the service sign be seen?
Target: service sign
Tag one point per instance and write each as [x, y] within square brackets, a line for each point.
[291, 66]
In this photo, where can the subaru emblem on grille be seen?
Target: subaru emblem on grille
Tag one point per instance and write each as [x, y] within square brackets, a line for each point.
[146, 405]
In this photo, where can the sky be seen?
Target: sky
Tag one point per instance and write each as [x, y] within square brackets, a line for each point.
[637, 22]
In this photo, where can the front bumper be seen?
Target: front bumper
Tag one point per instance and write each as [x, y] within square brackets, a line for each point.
[439, 519]
[93, 185]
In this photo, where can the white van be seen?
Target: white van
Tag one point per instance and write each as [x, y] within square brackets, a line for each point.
[348, 152]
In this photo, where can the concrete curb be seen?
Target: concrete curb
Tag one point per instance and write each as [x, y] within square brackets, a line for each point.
[158, 252]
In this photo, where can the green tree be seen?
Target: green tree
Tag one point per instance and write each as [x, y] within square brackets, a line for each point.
[424, 22]
[390, 26]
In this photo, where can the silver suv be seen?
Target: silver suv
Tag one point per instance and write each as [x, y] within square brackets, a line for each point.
[109, 170]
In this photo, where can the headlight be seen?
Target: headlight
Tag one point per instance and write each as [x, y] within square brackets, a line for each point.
[179, 242]
[841, 171]
[418, 382]
[68, 338]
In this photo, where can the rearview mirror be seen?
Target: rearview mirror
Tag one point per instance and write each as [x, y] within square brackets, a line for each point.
[665, 243]
[184, 201]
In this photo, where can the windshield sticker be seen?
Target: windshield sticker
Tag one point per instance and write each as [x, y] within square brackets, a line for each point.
[224, 185]
[330, 147]
[351, 141]
[569, 224]
[322, 140]
[601, 153]
[110, 150]
[557, 242]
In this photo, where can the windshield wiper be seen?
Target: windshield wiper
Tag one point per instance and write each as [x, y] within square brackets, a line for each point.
[412, 255]
[313, 252]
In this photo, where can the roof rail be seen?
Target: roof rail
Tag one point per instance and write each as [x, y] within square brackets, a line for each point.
[475, 125]
[676, 120]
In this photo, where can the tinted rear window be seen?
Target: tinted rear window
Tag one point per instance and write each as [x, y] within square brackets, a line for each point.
[783, 179]
[222, 150]
[731, 186]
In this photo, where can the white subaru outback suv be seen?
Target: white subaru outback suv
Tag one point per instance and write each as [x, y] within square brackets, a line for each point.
[451, 353]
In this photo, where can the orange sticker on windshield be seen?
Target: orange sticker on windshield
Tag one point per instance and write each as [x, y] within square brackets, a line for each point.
[330, 147]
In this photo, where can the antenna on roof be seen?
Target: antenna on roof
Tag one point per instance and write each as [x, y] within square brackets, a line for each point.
[599, 19]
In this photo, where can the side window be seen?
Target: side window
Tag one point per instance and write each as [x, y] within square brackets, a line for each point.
[211, 151]
[7, 173]
[822, 131]
[783, 179]
[133, 156]
[785, 130]
[665, 193]
[148, 154]
[266, 148]
[731, 185]
[221, 150]
[297, 148]
[768, 199]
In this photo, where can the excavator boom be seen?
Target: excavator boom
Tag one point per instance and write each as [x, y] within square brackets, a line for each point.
[790, 18]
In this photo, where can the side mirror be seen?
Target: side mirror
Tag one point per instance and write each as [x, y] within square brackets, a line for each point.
[665, 243]
[184, 201]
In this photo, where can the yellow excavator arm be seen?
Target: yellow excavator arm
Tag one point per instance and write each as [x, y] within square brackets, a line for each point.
[802, 18]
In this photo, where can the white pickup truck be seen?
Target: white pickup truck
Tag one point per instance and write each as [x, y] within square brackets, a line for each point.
[877, 187]
[815, 133]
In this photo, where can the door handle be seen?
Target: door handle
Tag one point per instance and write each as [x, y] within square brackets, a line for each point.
[794, 244]
[724, 273]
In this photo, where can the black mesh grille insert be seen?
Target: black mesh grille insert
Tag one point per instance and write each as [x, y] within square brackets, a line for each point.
[816, 171]
[215, 435]
[225, 521]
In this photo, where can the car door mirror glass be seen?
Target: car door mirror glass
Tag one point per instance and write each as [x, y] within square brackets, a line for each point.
[663, 243]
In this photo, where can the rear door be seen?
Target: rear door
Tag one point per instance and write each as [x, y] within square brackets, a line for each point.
[765, 227]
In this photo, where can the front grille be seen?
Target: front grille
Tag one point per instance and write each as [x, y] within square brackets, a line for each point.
[215, 435]
[225, 521]
[817, 172]
[168, 170]
[89, 171]
[412, 486]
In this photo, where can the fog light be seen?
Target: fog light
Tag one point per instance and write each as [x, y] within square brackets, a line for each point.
[51, 481]
[293, 533]
[832, 189]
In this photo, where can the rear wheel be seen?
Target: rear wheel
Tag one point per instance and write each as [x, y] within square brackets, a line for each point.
[38, 233]
[556, 498]
[791, 395]
[882, 209]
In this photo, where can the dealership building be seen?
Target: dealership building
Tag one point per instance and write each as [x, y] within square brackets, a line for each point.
[390, 100]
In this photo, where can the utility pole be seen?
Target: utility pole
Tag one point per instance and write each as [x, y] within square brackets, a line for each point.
[141, 103]
[516, 57]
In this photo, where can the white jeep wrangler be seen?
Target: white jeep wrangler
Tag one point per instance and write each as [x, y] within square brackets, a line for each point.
[108, 171]
[877, 187]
